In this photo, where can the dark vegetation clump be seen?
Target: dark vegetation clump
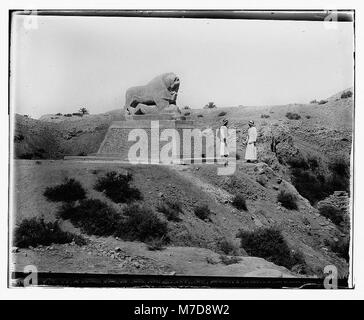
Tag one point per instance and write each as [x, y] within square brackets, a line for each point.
[142, 224]
[210, 105]
[308, 117]
[69, 191]
[265, 116]
[227, 247]
[26, 156]
[237, 156]
[95, 217]
[322, 101]
[171, 210]
[239, 202]
[18, 137]
[92, 216]
[83, 111]
[347, 94]
[270, 245]
[203, 212]
[38, 154]
[222, 113]
[82, 154]
[117, 187]
[200, 116]
[332, 213]
[315, 183]
[288, 200]
[340, 167]
[35, 231]
[293, 116]
[340, 247]
[156, 244]
[68, 115]
[313, 101]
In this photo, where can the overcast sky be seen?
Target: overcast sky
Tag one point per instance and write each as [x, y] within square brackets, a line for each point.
[68, 62]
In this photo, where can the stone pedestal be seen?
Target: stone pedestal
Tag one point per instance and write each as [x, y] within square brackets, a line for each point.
[153, 136]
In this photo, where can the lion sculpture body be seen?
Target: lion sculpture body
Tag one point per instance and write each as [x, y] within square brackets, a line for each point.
[158, 96]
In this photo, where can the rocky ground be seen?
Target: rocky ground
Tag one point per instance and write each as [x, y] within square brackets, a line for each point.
[304, 229]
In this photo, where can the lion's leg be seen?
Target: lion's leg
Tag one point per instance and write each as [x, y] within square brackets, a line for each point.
[161, 104]
[145, 109]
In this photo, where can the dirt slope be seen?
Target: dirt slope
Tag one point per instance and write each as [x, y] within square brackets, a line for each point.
[192, 185]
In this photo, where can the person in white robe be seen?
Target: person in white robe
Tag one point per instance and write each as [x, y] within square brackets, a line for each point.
[224, 151]
[251, 149]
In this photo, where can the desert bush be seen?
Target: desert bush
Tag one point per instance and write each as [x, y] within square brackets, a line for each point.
[18, 137]
[265, 116]
[210, 105]
[270, 245]
[222, 113]
[70, 190]
[312, 186]
[239, 202]
[313, 163]
[227, 260]
[308, 117]
[332, 213]
[171, 210]
[340, 247]
[288, 200]
[237, 156]
[187, 114]
[117, 187]
[35, 231]
[203, 212]
[314, 183]
[83, 111]
[156, 244]
[322, 101]
[227, 247]
[347, 94]
[93, 217]
[200, 116]
[298, 162]
[142, 224]
[78, 114]
[313, 101]
[26, 156]
[293, 116]
[340, 167]
[67, 115]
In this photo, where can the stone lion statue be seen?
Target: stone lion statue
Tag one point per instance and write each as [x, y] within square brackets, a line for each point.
[157, 96]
